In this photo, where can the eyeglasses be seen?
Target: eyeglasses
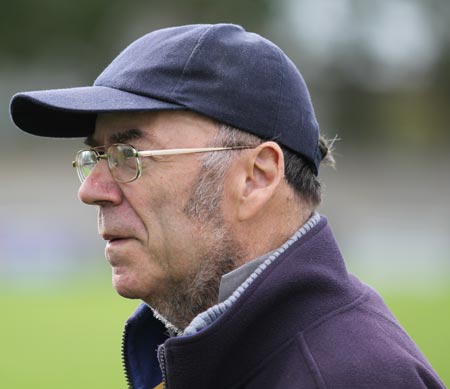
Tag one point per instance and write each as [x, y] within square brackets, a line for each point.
[124, 161]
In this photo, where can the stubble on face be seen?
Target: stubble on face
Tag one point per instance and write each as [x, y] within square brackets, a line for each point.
[184, 299]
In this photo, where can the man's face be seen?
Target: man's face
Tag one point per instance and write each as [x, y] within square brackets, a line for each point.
[158, 252]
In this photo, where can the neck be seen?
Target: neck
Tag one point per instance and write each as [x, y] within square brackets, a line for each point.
[271, 229]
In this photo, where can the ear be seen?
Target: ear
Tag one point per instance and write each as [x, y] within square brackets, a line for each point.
[263, 172]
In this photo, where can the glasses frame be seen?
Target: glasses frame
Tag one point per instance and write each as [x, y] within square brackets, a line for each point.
[138, 154]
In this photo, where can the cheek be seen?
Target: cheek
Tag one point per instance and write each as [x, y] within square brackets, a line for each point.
[158, 202]
[157, 213]
[164, 192]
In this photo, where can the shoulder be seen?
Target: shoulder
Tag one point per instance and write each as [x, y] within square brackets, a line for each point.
[363, 345]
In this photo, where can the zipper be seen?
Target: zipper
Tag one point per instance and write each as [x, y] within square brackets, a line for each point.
[125, 363]
[162, 365]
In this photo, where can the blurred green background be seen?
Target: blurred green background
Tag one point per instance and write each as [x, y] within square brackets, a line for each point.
[379, 76]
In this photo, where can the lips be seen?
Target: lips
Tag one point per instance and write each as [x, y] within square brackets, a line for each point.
[112, 237]
[115, 248]
[117, 241]
[114, 240]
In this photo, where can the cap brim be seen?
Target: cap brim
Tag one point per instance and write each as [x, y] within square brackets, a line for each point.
[71, 113]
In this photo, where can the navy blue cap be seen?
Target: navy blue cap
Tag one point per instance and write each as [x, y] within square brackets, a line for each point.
[221, 71]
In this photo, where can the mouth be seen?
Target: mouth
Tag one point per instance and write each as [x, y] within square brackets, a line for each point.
[115, 239]
[110, 236]
[115, 248]
[116, 242]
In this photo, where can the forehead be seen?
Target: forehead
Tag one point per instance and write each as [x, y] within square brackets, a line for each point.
[152, 128]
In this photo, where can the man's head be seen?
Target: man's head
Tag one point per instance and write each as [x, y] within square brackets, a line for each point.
[220, 71]
[190, 218]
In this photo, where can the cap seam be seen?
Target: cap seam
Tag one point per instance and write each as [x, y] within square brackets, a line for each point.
[188, 60]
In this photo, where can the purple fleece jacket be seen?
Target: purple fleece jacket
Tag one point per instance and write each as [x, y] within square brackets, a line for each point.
[305, 322]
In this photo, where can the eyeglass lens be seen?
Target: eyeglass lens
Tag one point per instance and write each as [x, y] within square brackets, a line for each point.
[86, 161]
[123, 162]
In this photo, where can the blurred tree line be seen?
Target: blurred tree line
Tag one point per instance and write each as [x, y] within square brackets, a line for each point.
[346, 80]
[31, 29]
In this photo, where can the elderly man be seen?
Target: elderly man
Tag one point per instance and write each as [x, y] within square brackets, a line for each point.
[203, 155]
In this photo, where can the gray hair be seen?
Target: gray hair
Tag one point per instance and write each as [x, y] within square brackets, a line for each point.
[209, 188]
[300, 176]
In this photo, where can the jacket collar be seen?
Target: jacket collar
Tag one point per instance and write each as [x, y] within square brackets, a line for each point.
[306, 282]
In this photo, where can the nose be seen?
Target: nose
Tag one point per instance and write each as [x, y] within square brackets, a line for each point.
[100, 188]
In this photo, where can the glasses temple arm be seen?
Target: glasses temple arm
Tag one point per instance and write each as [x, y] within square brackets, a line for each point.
[151, 153]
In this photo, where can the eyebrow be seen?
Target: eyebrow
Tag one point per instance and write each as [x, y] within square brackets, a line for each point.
[118, 137]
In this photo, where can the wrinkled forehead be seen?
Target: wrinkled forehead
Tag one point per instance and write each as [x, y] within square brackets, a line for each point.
[121, 127]
[152, 129]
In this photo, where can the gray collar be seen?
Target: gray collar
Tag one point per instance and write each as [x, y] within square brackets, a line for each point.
[236, 277]
[212, 314]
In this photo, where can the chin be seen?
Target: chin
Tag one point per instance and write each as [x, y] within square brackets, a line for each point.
[126, 287]
[127, 294]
